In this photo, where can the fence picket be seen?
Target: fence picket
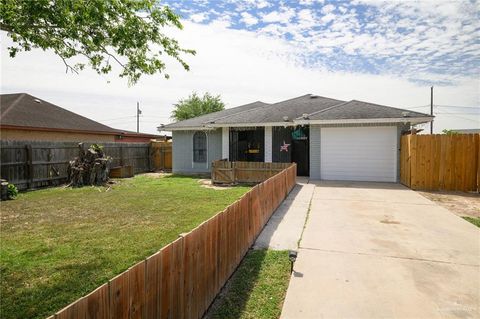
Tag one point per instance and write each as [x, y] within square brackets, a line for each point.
[441, 162]
[183, 278]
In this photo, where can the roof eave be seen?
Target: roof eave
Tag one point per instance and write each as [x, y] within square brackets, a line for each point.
[186, 128]
[413, 120]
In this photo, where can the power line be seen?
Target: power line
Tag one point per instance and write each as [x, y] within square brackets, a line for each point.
[118, 118]
[460, 117]
[457, 106]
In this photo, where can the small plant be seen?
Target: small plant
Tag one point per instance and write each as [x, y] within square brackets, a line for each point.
[96, 147]
[12, 191]
[449, 132]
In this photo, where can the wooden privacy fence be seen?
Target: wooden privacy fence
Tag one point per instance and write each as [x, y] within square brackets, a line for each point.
[244, 172]
[31, 165]
[162, 155]
[440, 162]
[184, 277]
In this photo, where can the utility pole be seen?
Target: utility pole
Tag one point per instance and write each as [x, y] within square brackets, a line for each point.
[138, 117]
[431, 109]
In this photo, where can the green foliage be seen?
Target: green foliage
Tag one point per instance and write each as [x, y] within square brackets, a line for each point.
[127, 33]
[257, 288]
[59, 244]
[96, 147]
[195, 105]
[12, 191]
[449, 132]
[473, 220]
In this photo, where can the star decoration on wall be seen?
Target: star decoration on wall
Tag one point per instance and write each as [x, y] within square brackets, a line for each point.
[284, 147]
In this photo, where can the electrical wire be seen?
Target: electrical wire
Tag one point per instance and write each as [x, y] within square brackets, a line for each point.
[460, 117]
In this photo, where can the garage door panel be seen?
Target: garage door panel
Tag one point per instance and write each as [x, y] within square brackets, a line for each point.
[359, 153]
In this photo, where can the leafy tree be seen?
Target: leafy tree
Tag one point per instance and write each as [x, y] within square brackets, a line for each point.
[195, 105]
[449, 132]
[127, 33]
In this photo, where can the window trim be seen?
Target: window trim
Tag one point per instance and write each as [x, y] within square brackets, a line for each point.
[206, 147]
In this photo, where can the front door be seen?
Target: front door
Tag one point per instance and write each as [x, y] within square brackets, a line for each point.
[300, 150]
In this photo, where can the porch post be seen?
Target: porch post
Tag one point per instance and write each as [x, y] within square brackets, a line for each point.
[225, 143]
[268, 144]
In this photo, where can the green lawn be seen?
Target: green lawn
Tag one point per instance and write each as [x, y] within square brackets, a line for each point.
[257, 289]
[59, 244]
[473, 220]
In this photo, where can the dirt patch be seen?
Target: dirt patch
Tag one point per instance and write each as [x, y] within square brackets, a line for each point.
[459, 203]
[208, 184]
[156, 174]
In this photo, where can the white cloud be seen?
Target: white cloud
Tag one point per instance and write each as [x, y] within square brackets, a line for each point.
[284, 15]
[241, 66]
[260, 4]
[327, 18]
[198, 17]
[310, 2]
[248, 19]
[328, 8]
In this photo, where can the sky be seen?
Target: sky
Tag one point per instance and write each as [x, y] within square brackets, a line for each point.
[385, 52]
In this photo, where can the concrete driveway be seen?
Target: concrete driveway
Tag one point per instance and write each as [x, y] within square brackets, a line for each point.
[377, 250]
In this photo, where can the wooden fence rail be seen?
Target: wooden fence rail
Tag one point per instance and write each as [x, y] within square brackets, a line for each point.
[244, 172]
[183, 278]
[440, 162]
[35, 164]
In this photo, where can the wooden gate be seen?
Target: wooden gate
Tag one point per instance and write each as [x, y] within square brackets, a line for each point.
[440, 162]
[162, 155]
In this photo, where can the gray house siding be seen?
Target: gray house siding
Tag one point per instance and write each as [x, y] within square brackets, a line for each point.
[183, 151]
[315, 151]
[315, 143]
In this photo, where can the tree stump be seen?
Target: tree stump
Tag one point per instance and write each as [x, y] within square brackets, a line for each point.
[90, 167]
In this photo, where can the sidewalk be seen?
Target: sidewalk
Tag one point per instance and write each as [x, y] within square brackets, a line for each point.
[285, 227]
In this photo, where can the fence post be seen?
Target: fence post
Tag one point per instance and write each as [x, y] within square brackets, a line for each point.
[149, 155]
[162, 157]
[121, 155]
[29, 165]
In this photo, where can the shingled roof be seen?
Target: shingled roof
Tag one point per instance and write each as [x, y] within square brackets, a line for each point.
[22, 110]
[212, 117]
[363, 110]
[303, 109]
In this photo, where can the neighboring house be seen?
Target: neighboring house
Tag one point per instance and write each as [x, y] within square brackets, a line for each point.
[467, 130]
[327, 138]
[25, 117]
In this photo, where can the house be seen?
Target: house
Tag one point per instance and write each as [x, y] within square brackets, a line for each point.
[328, 138]
[25, 117]
[467, 131]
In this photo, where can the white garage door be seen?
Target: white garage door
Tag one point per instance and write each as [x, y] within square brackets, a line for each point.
[359, 154]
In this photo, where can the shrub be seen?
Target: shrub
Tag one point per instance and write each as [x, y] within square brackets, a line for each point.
[12, 191]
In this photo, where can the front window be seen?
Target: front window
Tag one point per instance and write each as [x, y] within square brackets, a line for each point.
[200, 147]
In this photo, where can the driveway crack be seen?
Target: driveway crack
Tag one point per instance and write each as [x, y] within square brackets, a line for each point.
[389, 256]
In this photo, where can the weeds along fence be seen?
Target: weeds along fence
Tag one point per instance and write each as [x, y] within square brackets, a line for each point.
[31, 165]
[184, 277]
[441, 162]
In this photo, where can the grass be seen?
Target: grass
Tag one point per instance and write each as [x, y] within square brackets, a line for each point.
[473, 220]
[257, 289]
[59, 244]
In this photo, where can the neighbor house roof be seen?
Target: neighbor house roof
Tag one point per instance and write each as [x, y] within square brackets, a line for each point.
[304, 109]
[24, 111]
